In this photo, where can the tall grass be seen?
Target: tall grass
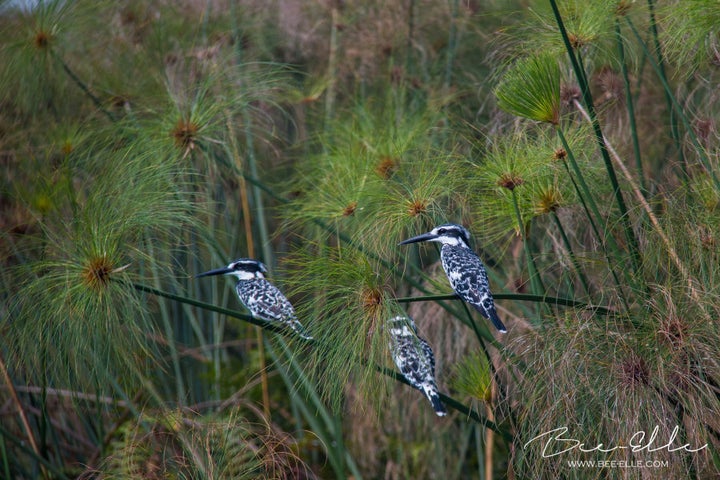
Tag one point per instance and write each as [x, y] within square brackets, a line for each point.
[145, 143]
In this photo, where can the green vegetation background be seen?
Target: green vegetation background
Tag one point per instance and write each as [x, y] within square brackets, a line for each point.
[146, 142]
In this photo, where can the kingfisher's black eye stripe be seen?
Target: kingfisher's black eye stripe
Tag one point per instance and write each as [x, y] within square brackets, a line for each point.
[251, 266]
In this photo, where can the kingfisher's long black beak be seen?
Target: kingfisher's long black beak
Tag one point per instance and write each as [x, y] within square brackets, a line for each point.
[420, 238]
[217, 271]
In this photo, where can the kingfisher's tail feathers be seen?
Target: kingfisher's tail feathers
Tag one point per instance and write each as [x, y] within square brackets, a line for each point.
[496, 321]
[491, 315]
[300, 330]
[432, 394]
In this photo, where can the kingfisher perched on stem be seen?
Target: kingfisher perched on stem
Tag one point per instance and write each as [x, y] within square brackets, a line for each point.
[414, 358]
[463, 268]
[261, 297]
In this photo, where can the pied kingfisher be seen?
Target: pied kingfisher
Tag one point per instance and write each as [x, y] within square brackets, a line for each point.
[415, 360]
[463, 268]
[261, 297]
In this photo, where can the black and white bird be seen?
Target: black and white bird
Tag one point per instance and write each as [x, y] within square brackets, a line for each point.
[463, 268]
[261, 297]
[414, 358]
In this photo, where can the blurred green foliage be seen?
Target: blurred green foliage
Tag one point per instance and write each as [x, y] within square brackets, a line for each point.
[146, 142]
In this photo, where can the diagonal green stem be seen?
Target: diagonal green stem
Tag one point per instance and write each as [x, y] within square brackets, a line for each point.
[571, 254]
[583, 191]
[476, 330]
[535, 281]
[674, 127]
[630, 107]
[206, 306]
[579, 70]
[83, 86]
[565, 302]
[592, 212]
